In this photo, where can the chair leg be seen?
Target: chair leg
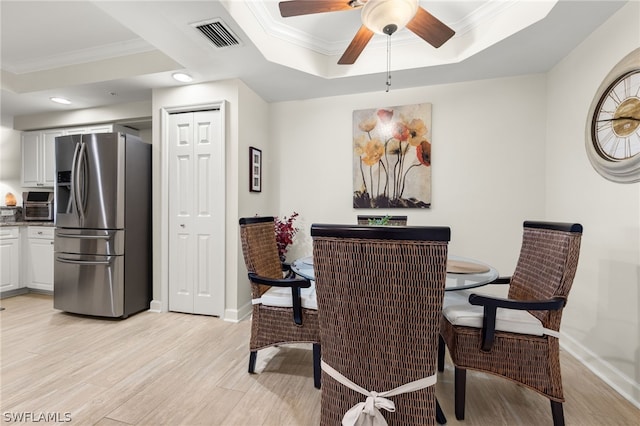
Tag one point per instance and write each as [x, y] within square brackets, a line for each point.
[252, 361]
[441, 353]
[317, 371]
[440, 417]
[557, 413]
[460, 382]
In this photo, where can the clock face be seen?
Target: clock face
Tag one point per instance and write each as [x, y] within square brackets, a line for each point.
[612, 131]
[615, 128]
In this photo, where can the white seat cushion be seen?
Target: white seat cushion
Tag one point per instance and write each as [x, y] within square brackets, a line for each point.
[510, 320]
[457, 297]
[281, 297]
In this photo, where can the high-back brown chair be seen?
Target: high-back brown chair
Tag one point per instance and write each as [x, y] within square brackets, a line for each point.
[380, 291]
[519, 341]
[393, 220]
[284, 308]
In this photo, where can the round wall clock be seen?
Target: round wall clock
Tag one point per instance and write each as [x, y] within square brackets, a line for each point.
[613, 123]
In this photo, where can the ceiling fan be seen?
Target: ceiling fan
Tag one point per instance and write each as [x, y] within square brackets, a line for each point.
[378, 16]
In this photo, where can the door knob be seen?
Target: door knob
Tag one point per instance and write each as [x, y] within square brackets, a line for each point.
[182, 225]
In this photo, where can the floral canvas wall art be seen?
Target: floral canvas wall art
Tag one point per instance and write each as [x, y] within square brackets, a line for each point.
[392, 157]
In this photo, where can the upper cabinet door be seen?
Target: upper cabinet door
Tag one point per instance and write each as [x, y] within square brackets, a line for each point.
[31, 161]
[38, 162]
[49, 156]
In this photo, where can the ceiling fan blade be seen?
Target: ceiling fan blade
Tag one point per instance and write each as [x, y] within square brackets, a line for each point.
[356, 47]
[307, 7]
[430, 28]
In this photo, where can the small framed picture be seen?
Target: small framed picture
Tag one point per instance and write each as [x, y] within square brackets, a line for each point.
[255, 169]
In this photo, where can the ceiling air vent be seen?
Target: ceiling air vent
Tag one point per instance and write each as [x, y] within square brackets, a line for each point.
[218, 33]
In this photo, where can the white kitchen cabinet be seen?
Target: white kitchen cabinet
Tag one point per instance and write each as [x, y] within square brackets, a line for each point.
[9, 258]
[38, 151]
[38, 157]
[49, 156]
[39, 258]
[32, 159]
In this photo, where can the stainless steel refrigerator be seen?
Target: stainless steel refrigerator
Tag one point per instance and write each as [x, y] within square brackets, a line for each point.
[103, 225]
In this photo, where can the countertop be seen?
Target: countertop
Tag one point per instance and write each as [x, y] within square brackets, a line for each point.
[27, 223]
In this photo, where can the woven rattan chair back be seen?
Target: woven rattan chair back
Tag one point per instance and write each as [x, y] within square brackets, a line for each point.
[380, 292]
[393, 220]
[546, 267]
[260, 250]
[273, 325]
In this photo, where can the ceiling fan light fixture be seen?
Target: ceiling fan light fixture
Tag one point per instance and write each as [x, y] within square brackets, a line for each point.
[388, 16]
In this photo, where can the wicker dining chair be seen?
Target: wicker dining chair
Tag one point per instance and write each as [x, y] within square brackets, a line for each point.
[517, 337]
[393, 220]
[284, 307]
[380, 291]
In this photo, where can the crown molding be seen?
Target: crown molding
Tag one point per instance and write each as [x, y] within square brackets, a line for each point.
[81, 56]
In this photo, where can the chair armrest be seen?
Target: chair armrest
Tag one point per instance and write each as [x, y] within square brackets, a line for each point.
[491, 305]
[501, 280]
[280, 282]
[529, 305]
[295, 283]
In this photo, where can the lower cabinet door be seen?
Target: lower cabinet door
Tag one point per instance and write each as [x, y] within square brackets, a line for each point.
[41, 264]
[9, 264]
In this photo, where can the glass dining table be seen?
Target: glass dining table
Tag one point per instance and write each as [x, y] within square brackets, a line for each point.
[462, 273]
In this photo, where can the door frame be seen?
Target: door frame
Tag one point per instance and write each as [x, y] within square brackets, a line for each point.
[162, 305]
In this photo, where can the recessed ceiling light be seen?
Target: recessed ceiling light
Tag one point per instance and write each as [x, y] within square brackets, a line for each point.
[182, 77]
[59, 100]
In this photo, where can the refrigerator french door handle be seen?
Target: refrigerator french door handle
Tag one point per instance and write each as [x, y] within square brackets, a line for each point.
[83, 262]
[74, 166]
[80, 199]
[86, 237]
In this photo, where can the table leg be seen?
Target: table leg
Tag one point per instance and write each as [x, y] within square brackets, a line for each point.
[440, 417]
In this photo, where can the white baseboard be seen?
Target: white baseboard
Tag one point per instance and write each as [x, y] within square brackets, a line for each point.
[237, 315]
[155, 306]
[622, 384]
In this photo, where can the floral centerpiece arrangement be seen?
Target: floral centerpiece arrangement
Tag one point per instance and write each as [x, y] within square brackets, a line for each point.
[285, 230]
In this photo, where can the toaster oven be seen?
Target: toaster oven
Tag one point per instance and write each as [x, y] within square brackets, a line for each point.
[37, 205]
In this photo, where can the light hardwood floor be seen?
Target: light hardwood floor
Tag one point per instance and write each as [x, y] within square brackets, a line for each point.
[177, 369]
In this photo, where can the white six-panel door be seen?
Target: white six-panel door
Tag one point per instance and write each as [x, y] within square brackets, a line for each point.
[196, 213]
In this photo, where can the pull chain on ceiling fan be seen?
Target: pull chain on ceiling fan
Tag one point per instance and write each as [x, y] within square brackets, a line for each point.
[378, 16]
[388, 64]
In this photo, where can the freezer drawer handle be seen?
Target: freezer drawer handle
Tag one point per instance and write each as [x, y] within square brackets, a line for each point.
[83, 262]
[86, 237]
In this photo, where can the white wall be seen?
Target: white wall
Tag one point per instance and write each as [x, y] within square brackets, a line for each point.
[487, 172]
[601, 319]
[77, 117]
[253, 131]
